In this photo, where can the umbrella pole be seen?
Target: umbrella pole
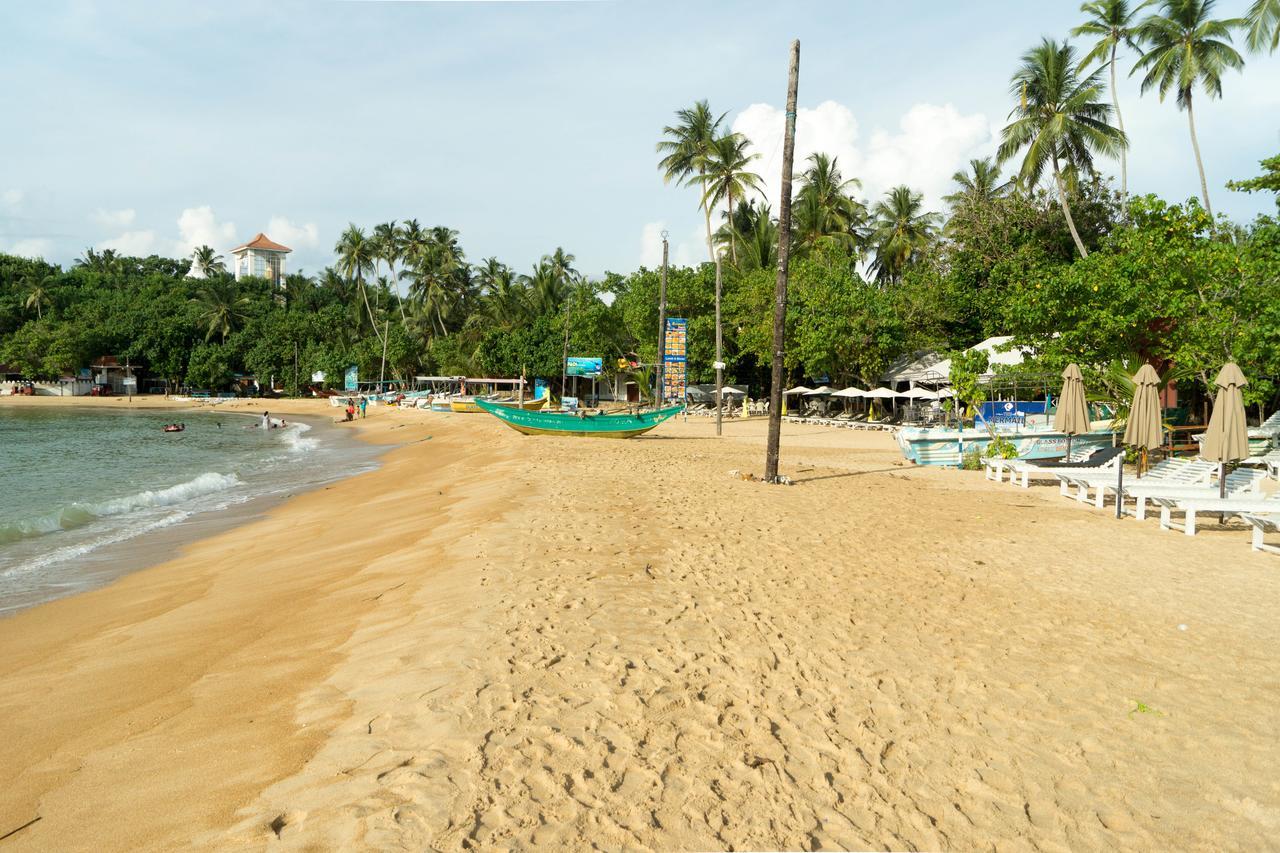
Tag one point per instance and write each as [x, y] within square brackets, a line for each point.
[1222, 479]
[1067, 458]
[1120, 489]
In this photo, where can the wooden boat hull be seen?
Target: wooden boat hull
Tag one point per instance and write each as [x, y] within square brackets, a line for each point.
[464, 405]
[577, 423]
[527, 405]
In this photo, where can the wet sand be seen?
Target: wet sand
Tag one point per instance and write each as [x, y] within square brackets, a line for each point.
[506, 641]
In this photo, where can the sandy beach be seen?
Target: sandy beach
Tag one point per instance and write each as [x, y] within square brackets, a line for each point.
[501, 641]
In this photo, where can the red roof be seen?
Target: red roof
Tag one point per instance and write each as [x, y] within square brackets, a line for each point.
[262, 241]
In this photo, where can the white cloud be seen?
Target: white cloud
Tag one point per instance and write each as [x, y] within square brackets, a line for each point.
[133, 244]
[11, 199]
[197, 226]
[693, 250]
[283, 231]
[34, 248]
[115, 218]
[931, 143]
[651, 244]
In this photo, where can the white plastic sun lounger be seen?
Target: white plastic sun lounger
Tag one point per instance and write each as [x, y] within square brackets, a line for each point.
[1263, 523]
[1239, 484]
[1171, 471]
[1238, 505]
[1023, 471]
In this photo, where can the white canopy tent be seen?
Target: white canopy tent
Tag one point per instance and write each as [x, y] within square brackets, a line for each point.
[850, 392]
[818, 392]
[881, 394]
[799, 389]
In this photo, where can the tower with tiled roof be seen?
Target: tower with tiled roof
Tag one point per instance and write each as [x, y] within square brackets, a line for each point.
[261, 257]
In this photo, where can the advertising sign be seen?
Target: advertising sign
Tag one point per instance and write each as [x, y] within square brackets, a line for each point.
[584, 366]
[541, 391]
[675, 361]
[351, 379]
[569, 404]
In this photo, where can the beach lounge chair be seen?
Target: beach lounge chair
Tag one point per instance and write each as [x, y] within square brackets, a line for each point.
[1230, 505]
[1170, 471]
[1263, 523]
[1024, 468]
[1238, 484]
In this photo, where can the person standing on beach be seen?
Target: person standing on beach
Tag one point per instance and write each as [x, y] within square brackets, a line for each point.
[364, 404]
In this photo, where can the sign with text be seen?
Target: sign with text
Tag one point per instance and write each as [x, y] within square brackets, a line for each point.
[675, 360]
[584, 366]
[351, 379]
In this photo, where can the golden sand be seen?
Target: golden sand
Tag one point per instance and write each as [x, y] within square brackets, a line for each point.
[497, 640]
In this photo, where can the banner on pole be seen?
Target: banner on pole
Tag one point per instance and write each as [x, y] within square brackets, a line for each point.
[675, 360]
[584, 366]
[351, 379]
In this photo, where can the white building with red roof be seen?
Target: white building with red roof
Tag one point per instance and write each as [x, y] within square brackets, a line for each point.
[261, 257]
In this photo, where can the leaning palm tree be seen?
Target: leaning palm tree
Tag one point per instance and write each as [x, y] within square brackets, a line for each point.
[1112, 23]
[356, 254]
[903, 229]
[1263, 21]
[727, 175]
[1185, 47]
[826, 210]
[1060, 121]
[207, 261]
[38, 295]
[222, 308]
[981, 184]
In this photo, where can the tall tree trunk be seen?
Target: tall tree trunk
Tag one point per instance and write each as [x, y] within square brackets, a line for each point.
[364, 294]
[1195, 145]
[733, 232]
[715, 258]
[1124, 153]
[1066, 209]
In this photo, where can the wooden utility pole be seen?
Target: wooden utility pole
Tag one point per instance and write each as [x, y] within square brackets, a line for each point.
[660, 367]
[719, 352]
[784, 259]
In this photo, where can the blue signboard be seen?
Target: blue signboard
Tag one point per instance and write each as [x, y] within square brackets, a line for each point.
[584, 366]
[1009, 411]
[541, 391]
[674, 359]
[351, 379]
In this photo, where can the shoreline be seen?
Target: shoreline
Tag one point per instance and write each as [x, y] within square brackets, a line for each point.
[109, 562]
[497, 640]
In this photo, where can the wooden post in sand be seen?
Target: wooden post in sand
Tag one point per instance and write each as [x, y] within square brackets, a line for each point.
[784, 258]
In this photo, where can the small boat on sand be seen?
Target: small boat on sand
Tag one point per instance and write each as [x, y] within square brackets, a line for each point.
[527, 405]
[621, 425]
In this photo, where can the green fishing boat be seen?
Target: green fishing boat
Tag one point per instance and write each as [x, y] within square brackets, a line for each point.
[622, 425]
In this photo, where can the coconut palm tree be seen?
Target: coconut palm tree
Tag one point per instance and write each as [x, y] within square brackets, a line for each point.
[207, 262]
[727, 175]
[1112, 23]
[902, 230]
[1185, 46]
[222, 308]
[754, 232]
[387, 249]
[980, 184]
[1060, 121]
[826, 209]
[1263, 21]
[356, 254]
[688, 146]
[38, 295]
[504, 301]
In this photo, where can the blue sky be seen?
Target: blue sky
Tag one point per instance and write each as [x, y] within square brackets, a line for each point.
[526, 126]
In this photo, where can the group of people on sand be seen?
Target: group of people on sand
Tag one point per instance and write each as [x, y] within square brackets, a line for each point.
[351, 409]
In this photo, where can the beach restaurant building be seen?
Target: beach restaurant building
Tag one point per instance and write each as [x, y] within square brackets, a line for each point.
[261, 257]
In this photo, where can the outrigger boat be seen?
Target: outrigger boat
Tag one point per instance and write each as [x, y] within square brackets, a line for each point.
[528, 405]
[621, 425]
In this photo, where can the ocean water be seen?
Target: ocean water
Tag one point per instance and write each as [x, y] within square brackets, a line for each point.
[83, 492]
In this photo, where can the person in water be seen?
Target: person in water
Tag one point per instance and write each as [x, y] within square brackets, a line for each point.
[266, 420]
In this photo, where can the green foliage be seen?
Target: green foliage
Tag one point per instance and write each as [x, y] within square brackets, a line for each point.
[210, 367]
[967, 368]
[1268, 181]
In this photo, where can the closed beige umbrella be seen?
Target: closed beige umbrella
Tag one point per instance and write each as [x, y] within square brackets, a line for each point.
[1227, 438]
[1144, 428]
[1072, 416]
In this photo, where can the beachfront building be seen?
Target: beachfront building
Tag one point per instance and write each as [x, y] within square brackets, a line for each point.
[261, 257]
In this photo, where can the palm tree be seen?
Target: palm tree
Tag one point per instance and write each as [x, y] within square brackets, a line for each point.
[902, 230]
[356, 254]
[825, 207]
[981, 184]
[1111, 21]
[38, 295]
[387, 248]
[727, 175]
[1059, 120]
[1263, 20]
[754, 232]
[503, 297]
[222, 308]
[688, 148]
[1185, 47]
[438, 275]
[207, 262]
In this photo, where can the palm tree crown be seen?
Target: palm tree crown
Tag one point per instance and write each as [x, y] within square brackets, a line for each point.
[1059, 120]
[903, 229]
[1185, 46]
[980, 184]
[207, 261]
[1263, 20]
[1111, 23]
[826, 209]
[727, 174]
